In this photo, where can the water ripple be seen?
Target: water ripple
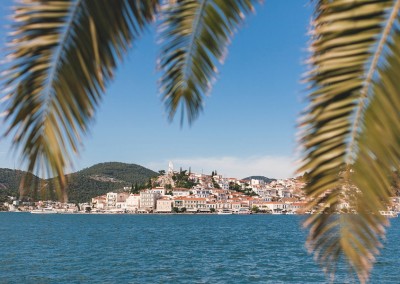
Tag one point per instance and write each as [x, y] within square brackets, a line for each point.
[167, 249]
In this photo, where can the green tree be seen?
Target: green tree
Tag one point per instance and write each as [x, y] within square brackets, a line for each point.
[212, 210]
[182, 180]
[234, 186]
[65, 54]
[215, 184]
[255, 209]
[175, 209]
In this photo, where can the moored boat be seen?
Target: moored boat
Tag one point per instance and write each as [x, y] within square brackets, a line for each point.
[244, 211]
[225, 212]
[389, 214]
[47, 210]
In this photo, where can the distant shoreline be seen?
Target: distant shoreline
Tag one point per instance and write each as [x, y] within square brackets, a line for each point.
[108, 213]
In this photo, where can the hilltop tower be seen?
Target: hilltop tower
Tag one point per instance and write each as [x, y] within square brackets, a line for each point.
[170, 168]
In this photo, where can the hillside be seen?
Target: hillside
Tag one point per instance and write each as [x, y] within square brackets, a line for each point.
[10, 181]
[102, 178]
[265, 179]
[87, 183]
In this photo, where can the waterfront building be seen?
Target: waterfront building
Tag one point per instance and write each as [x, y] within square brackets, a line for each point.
[164, 205]
[194, 204]
[148, 200]
[299, 207]
[121, 200]
[236, 206]
[277, 206]
[211, 204]
[178, 202]
[111, 200]
[133, 202]
[99, 202]
[223, 205]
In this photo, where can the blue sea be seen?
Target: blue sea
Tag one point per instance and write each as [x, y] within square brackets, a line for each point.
[168, 249]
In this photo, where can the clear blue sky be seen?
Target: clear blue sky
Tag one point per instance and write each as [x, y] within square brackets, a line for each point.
[248, 126]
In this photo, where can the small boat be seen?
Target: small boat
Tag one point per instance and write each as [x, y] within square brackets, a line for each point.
[225, 212]
[244, 211]
[389, 214]
[47, 210]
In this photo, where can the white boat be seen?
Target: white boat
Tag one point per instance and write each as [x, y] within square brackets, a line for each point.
[244, 211]
[47, 210]
[389, 214]
[225, 212]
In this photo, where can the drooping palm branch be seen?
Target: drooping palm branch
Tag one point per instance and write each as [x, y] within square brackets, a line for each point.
[195, 35]
[63, 53]
[345, 158]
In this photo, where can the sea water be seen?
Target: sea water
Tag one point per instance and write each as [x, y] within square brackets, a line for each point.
[85, 248]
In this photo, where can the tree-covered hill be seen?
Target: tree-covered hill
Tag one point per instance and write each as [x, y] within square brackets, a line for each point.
[10, 181]
[104, 177]
[118, 172]
[265, 179]
[85, 184]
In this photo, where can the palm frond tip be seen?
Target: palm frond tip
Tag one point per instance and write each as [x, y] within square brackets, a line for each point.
[64, 54]
[196, 34]
[349, 38]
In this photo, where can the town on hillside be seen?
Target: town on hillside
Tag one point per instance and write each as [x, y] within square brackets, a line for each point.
[188, 192]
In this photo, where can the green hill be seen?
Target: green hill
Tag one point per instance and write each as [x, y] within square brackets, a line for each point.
[265, 179]
[10, 181]
[85, 184]
[102, 178]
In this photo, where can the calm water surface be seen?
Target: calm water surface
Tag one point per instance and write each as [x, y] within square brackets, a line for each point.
[167, 249]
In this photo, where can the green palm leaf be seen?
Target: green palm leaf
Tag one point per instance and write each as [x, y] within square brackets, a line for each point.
[196, 34]
[349, 38]
[63, 55]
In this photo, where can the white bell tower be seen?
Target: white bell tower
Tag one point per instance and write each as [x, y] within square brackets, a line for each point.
[170, 168]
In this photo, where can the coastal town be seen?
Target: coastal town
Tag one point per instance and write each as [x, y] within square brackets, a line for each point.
[187, 192]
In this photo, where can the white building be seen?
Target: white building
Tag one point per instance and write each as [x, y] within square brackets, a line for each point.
[201, 192]
[191, 204]
[159, 190]
[121, 200]
[181, 192]
[133, 202]
[148, 200]
[111, 200]
[255, 182]
[164, 205]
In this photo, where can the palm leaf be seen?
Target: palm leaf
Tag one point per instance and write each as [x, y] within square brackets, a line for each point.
[196, 34]
[379, 143]
[349, 39]
[63, 55]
